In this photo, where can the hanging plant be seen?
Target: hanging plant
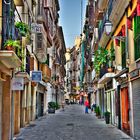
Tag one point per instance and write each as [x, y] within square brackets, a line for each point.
[100, 59]
[111, 56]
[22, 27]
[11, 44]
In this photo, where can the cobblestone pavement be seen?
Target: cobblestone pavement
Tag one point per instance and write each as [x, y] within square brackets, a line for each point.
[71, 124]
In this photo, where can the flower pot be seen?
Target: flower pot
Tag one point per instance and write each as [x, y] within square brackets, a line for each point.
[51, 110]
[110, 69]
[10, 48]
[107, 119]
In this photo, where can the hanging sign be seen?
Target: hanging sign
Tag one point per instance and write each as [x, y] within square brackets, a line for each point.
[17, 84]
[36, 76]
[36, 28]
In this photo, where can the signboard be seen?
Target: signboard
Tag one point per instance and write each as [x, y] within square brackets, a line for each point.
[36, 76]
[17, 84]
[134, 73]
[90, 89]
[36, 28]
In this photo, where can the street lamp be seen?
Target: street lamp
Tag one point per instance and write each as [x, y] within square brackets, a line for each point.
[108, 27]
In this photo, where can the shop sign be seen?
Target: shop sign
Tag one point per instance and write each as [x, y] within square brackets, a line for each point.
[90, 89]
[36, 28]
[134, 73]
[36, 76]
[17, 84]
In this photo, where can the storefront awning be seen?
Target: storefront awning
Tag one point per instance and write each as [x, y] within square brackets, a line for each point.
[106, 78]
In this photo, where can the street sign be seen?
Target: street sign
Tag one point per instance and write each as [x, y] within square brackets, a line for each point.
[17, 84]
[36, 28]
[36, 76]
[90, 89]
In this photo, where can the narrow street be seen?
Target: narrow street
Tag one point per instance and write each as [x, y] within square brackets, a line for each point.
[71, 124]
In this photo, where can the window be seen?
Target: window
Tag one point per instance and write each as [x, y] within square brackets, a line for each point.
[123, 54]
[137, 36]
[47, 61]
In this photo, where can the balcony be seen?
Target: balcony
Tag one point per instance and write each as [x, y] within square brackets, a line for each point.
[40, 50]
[9, 59]
[103, 38]
[116, 9]
[102, 4]
[98, 14]
[105, 75]
[103, 71]
[46, 72]
[41, 17]
[19, 2]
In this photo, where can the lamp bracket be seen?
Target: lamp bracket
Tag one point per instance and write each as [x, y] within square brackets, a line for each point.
[121, 38]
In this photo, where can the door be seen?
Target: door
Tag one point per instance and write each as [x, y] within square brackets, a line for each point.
[125, 110]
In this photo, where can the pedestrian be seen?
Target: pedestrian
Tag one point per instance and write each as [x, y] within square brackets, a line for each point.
[63, 105]
[92, 107]
[86, 105]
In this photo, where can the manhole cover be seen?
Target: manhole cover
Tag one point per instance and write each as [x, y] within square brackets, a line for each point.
[70, 124]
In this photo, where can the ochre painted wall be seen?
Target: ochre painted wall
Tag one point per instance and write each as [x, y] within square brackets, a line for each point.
[6, 109]
[17, 111]
[0, 20]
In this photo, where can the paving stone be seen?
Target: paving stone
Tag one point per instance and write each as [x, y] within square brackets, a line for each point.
[71, 124]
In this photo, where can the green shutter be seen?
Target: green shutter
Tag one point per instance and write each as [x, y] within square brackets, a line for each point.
[137, 36]
[123, 54]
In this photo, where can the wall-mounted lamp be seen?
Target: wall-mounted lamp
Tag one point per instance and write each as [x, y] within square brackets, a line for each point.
[108, 27]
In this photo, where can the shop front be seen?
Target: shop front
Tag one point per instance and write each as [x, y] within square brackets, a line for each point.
[40, 98]
[135, 90]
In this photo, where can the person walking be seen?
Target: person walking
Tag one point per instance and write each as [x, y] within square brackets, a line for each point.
[63, 105]
[93, 106]
[86, 105]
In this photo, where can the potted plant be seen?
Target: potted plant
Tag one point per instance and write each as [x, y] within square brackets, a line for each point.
[111, 58]
[22, 27]
[11, 44]
[98, 111]
[107, 117]
[51, 107]
[100, 59]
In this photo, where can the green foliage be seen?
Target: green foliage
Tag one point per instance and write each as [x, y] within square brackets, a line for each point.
[22, 27]
[103, 56]
[98, 111]
[107, 113]
[57, 106]
[100, 58]
[111, 56]
[12, 43]
[53, 105]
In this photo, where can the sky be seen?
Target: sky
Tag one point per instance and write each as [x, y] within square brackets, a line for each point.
[70, 19]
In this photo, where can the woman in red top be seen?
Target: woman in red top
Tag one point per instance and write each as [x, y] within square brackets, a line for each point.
[86, 105]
